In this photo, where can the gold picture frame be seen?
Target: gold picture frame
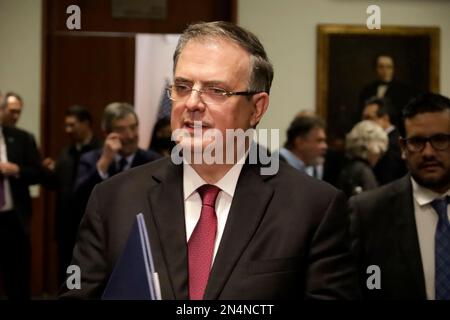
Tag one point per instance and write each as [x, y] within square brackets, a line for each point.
[344, 57]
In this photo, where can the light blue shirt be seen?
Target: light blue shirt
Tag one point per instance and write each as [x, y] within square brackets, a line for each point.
[298, 164]
[292, 159]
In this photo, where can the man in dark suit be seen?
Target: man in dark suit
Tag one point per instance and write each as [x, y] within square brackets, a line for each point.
[61, 175]
[397, 93]
[403, 227]
[120, 152]
[391, 166]
[20, 168]
[221, 230]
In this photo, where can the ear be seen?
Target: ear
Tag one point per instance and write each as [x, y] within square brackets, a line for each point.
[401, 142]
[261, 103]
[298, 143]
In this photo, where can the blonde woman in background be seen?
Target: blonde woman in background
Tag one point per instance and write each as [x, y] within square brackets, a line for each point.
[365, 145]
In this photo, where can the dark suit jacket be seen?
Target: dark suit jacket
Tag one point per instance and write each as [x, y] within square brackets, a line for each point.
[88, 177]
[22, 150]
[391, 166]
[385, 234]
[63, 180]
[356, 176]
[286, 236]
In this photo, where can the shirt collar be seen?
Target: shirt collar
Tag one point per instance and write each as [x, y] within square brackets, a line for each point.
[292, 159]
[129, 159]
[423, 195]
[192, 181]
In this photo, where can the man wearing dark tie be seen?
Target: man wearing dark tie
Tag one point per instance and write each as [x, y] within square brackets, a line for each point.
[19, 168]
[403, 227]
[221, 229]
[120, 152]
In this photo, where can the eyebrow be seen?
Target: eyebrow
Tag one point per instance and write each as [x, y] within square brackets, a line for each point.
[209, 83]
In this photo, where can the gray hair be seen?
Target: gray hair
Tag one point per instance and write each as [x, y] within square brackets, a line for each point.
[261, 74]
[366, 136]
[116, 111]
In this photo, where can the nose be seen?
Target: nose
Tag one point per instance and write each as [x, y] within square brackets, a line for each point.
[323, 146]
[129, 133]
[428, 149]
[194, 101]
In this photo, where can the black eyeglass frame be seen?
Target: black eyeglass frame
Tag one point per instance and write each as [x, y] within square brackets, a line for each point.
[408, 142]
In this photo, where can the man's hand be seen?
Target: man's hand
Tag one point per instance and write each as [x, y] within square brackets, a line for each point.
[9, 169]
[49, 164]
[111, 147]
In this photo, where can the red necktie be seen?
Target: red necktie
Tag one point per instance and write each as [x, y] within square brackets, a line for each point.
[201, 243]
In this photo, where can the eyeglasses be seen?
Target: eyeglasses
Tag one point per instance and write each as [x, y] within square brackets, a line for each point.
[439, 142]
[209, 95]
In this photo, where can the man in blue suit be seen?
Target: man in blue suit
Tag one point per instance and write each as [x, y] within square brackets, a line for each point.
[120, 152]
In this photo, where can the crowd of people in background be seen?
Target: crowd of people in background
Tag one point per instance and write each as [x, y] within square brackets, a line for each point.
[86, 161]
[371, 158]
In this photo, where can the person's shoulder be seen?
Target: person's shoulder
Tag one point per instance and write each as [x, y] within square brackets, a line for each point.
[289, 178]
[95, 142]
[18, 132]
[362, 168]
[383, 195]
[140, 175]
[148, 155]
[137, 178]
[355, 168]
[399, 85]
[91, 156]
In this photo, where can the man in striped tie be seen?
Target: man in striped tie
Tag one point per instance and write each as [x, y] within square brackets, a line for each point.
[403, 227]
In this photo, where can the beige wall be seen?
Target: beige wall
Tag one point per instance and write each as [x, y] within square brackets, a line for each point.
[287, 28]
[20, 56]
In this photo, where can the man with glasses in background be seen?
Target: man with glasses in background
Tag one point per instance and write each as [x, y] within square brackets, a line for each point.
[403, 227]
[221, 230]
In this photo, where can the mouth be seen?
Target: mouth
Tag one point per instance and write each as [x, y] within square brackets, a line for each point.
[195, 125]
[428, 166]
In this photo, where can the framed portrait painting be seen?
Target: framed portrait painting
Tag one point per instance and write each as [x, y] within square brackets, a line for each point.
[347, 71]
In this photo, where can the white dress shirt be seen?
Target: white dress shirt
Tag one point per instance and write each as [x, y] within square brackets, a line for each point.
[4, 158]
[381, 90]
[193, 203]
[426, 222]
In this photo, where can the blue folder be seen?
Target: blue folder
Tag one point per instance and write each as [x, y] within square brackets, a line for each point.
[134, 276]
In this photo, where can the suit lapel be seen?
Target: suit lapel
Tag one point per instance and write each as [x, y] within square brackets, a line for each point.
[408, 240]
[9, 144]
[249, 204]
[167, 208]
[138, 159]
